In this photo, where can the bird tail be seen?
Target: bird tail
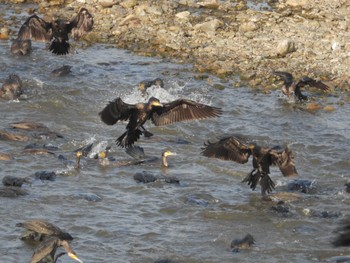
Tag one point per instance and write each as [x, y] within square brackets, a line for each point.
[252, 179]
[128, 138]
[59, 47]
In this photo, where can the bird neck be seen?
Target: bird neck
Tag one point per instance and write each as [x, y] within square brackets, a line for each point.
[164, 161]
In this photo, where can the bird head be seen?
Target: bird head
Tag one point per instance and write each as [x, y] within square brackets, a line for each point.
[155, 102]
[167, 153]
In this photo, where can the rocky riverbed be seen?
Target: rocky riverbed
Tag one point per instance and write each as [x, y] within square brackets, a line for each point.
[304, 37]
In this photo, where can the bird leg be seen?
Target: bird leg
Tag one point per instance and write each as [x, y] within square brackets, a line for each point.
[146, 133]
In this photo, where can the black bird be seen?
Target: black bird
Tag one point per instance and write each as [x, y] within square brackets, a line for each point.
[41, 229]
[144, 85]
[48, 248]
[11, 88]
[138, 153]
[160, 114]
[56, 31]
[292, 87]
[21, 47]
[235, 149]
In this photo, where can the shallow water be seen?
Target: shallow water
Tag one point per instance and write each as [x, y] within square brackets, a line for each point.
[115, 219]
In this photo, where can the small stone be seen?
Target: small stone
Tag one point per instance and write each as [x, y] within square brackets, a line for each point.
[183, 15]
[285, 46]
[213, 4]
[248, 27]
[329, 108]
[128, 3]
[209, 27]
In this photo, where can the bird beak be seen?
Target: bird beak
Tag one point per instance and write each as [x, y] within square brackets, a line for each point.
[172, 153]
[73, 256]
[156, 103]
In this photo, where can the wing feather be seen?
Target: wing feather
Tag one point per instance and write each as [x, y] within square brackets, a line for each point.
[312, 82]
[81, 24]
[36, 29]
[183, 110]
[285, 76]
[229, 148]
[116, 111]
[284, 159]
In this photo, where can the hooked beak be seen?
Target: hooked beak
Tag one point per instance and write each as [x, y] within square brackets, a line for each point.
[75, 257]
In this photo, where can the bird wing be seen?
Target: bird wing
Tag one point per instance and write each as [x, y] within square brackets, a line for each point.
[81, 23]
[35, 28]
[229, 148]
[285, 76]
[115, 111]
[311, 82]
[284, 159]
[183, 110]
[45, 248]
[136, 152]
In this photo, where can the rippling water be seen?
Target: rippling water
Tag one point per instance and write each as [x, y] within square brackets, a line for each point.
[115, 219]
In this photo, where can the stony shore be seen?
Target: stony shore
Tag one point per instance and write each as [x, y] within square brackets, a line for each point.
[304, 37]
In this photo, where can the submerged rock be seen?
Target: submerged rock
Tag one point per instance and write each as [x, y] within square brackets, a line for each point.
[243, 243]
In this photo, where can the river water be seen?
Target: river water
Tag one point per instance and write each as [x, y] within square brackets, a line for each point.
[115, 219]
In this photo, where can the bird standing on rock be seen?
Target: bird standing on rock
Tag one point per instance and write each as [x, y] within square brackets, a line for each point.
[292, 87]
[235, 149]
[160, 114]
[56, 32]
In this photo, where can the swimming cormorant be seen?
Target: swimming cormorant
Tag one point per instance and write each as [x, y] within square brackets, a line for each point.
[11, 88]
[292, 87]
[160, 114]
[56, 31]
[48, 248]
[138, 153]
[235, 149]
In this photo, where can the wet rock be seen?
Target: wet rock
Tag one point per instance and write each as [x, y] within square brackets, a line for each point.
[339, 259]
[11, 88]
[243, 243]
[183, 15]
[213, 4]
[62, 71]
[4, 33]
[304, 186]
[90, 197]
[128, 3]
[347, 189]
[45, 175]
[169, 179]
[5, 157]
[166, 260]
[13, 181]
[8, 136]
[248, 27]
[145, 177]
[12, 192]
[321, 214]
[284, 47]
[108, 3]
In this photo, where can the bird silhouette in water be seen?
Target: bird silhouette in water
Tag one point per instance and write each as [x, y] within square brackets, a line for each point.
[158, 113]
[292, 87]
[56, 32]
[234, 148]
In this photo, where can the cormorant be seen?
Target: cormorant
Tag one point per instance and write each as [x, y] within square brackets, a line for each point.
[49, 246]
[292, 87]
[41, 229]
[235, 149]
[11, 88]
[21, 47]
[144, 85]
[56, 31]
[83, 151]
[138, 153]
[160, 114]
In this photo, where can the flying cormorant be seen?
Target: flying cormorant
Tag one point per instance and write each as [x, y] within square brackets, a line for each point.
[160, 114]
[56, 32]
[235, 149]
[292, 87]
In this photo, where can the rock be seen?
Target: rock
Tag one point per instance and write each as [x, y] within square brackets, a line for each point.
[248, 27]
[107, 3]
[209, 27]
[213, 4]
[128, 3]
[284, 47]
[243, 243]
[183, 15]
[296, 3]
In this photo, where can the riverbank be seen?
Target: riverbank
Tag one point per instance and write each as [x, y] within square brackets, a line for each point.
[226, 38]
